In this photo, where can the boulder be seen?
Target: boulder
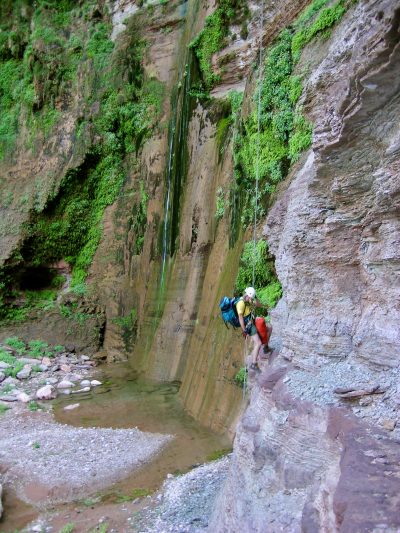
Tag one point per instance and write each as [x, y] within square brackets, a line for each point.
[47, 392]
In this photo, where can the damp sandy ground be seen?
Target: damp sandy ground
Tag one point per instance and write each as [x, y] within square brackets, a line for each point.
[46, 462]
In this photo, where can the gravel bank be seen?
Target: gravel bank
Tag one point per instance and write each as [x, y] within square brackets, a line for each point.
[185, 503]
[47, 462]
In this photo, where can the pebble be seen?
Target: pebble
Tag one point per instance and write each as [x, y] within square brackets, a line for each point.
[85, 389]
[8, 398]
[85, 383]
[65, 384]
[71, 406]
[65, 368]
[4, 365]
[388, 423]
[25, 372]
[95, 383]
[46, 361]
[10, 381]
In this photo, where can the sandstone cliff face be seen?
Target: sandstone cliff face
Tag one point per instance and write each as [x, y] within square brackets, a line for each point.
[306, 458]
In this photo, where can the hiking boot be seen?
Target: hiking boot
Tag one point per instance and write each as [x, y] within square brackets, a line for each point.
[267, 349]
[255, 367]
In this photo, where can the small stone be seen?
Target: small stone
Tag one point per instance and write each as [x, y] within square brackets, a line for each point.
[85, 383]
[23, 397]
[46, 393]
[74, 377]
[9, 398]
[46, 361]
[11, 381]
[65, 368]
[85, 389]
[51, 381]
[67, 392]
[25, 372]
[65, 384]
[388, 423]
[367, 400]
[71, 406]
[4, 365]
[28, 360]
[84, 358]
[95, 383]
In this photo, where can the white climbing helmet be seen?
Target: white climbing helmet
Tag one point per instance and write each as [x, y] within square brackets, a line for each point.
[250, 292]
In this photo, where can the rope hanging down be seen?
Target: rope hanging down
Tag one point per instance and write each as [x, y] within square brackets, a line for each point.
[258, 141]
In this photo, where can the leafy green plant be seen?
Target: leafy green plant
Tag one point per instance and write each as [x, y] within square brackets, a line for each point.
[13, 371]
[268, 288]
[58, 41]
[220, 204]
[218, 454]
[241, 377]
[128, 324]
[33, 406]
[39, 349]
[58, 348]
[5, 357]
[3, 408]
[271, 294]
[36, 445]
[214, 35]
[284, 132]
[16, 343]
[259, 259]
[68, 528]
[325, 19]
[133, 494]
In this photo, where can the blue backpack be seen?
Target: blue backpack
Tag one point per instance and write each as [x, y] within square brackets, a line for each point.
[228, 311]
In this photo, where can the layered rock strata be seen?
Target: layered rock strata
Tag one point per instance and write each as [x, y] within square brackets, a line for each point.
[317, 448]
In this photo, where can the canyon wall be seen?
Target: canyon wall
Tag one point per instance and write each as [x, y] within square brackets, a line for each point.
[317, 448]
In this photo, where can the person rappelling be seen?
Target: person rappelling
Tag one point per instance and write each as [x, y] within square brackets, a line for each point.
[257, 329]
[239, 312]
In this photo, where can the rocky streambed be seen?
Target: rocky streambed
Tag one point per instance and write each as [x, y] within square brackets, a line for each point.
[73, 433]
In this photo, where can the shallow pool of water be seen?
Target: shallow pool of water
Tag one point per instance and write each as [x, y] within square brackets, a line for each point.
[124, 401]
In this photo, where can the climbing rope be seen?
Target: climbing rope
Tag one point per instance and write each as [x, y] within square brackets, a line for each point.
[245, 371]
[258, 142]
